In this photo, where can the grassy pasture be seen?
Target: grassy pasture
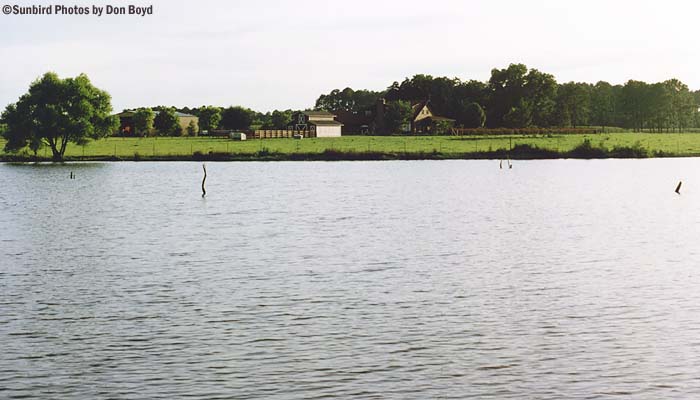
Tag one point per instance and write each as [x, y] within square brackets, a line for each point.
[668, 144]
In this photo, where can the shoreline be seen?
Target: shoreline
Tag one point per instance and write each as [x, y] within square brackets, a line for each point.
[376, 149]
[344, 156]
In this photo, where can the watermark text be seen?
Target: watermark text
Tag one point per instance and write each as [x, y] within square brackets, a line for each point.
[62, 9]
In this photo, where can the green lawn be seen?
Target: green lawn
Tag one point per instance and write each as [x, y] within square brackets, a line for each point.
[684, 144]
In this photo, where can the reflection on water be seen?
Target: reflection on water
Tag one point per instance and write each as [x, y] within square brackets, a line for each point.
[448, 279]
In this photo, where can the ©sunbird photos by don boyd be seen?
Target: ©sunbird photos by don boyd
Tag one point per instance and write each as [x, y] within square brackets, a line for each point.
[60, 9]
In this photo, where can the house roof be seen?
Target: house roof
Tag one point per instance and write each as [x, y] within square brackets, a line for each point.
[326, 123]
[177, 114]
[318, 114]
[417, 107]
[438, 118]
[130, 113]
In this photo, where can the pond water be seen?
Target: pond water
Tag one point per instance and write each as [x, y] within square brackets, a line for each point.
[400, 280]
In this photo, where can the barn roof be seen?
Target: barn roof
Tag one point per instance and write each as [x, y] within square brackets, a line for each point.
[326, 123]
[318, 114]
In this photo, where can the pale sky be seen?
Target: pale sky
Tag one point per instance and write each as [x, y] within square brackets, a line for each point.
[271, 54]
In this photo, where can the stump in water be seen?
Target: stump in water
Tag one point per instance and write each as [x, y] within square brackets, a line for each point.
[678, 188]
[204, 192]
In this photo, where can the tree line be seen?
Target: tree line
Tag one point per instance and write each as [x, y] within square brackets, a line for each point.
[163, 121]
[55, 111]
[513, 97]
[521, 97]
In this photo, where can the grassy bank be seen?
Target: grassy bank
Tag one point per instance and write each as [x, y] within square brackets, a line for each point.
[379, 148]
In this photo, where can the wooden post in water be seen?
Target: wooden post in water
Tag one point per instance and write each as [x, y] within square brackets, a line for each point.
[678, 188]
[204, 192]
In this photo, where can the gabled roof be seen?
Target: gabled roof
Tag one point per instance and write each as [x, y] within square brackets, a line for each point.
[326, 123]
[318, 114]
[417, 107]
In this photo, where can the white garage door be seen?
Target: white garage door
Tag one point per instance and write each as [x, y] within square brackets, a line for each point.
[328, 131]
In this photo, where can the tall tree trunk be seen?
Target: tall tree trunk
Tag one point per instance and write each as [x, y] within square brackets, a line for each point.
[56, 154]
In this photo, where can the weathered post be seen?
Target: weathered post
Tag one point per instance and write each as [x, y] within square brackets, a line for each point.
[204, 192]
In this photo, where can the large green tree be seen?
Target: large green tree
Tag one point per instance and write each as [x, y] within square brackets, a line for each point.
[281, 119]
[143, 121]
[167, 123]
[635, 104]
[573, 104]
[347, 100]
[682, 104]
[56, 112]
[603, 104]
[397, 116]
[519, 96]
[209, 117]
[236, 118]
[471, 116]
[519, 115]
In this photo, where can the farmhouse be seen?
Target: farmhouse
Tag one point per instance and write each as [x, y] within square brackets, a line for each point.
[356, 122]
[371, 121]
[322, 123]
[126, 122]
[425, 121]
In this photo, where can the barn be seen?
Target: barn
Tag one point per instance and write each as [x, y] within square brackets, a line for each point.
[322, 123]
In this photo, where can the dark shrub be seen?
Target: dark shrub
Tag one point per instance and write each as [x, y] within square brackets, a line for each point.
[587, 150]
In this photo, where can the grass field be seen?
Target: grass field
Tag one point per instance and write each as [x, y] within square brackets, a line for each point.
[666, 144]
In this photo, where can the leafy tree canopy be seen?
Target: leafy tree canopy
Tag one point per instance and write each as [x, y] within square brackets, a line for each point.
[209, 117]
[167, 123]
[143, 121]
[347, 100]
[56, 112]
[398, 116]
[237, 118]
[471, 116]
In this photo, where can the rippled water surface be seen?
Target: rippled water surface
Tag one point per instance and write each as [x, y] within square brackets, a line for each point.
[403, 280]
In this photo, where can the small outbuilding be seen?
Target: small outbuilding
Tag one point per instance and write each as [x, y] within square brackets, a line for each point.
[322, 123]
